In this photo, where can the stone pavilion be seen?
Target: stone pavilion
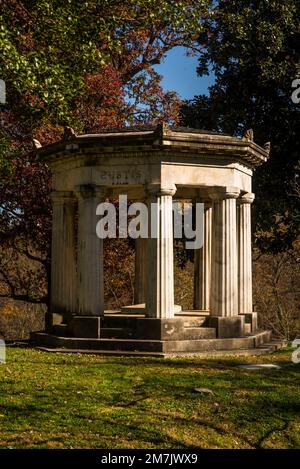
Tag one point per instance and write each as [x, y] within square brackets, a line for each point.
[156, 164]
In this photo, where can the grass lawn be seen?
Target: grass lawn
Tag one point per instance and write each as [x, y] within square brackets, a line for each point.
[61, 400]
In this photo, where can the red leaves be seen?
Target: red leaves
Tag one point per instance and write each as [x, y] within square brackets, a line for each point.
[34, 101]
[102, 106]
[48, 133]
[25, 207]
[106, 84]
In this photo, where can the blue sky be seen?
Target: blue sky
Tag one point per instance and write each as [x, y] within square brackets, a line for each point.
[179, 74]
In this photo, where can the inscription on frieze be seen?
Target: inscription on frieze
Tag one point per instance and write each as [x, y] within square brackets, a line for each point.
[121, 176]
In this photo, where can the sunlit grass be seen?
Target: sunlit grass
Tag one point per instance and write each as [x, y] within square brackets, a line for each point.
[60, 400]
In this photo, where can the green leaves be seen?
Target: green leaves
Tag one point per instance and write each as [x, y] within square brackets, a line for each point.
[253, 49]
[48, 47]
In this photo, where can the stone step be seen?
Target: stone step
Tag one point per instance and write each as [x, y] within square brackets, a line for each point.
[60, 330]
[113, 320]
[204, 354]
[208, 345]
[274, 345]
[141, 308]
[194, 333]
[189, 333]
[167, 346]
[116, 333]
[195, 312]
[193, 321]
[261, 350]
[261, 338]
[118, 321]
[130, 322]
[101, 344]
[116, 353]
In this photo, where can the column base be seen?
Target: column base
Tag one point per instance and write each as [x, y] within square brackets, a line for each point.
[85, 326]
[160, 329]
[227, 327]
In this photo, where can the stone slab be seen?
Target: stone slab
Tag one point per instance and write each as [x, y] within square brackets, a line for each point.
[141, 309]
[227, 327]
[160, 329]
[143, 345]
[165, 349]
[85, 326]
[207, 354]
[262, 366]
[203, 391]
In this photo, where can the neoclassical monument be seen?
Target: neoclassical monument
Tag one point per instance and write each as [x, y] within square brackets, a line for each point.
[153, 165]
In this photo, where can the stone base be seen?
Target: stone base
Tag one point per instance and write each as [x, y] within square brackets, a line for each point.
[134, 327]
[84, 326]
[227, 327]
[170, 329]
[259, 343]
[181, 327]
[185, 334]
[159, 329]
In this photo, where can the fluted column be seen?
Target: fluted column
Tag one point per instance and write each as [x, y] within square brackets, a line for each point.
[160, 270]
[244, 253]
[63, 254]
[90, 253]
[140, 270]
[202, 263]
[224, 278]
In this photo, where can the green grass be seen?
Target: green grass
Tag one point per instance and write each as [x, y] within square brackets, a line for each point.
[83, 401]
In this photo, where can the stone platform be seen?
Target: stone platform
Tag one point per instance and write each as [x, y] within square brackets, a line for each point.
[117, 333]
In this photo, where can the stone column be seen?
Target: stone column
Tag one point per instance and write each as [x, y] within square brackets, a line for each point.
[244, 253]
[90, 253]
[140, 270]
[160, 269]
[202, 263]
[63, 256]
[224, 291]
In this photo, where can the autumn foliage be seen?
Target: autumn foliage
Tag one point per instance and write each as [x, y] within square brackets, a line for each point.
[85, 64]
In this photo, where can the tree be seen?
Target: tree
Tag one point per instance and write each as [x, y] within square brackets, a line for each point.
[57, 59]
[50, 48]
[253, 49]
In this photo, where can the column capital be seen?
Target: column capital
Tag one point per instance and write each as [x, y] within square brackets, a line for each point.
[247, 198]
[220, 193]
[88, 191]
[61, 197]
[160, 190]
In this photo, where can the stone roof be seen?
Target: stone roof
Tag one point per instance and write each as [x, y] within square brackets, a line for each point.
[161, 137]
